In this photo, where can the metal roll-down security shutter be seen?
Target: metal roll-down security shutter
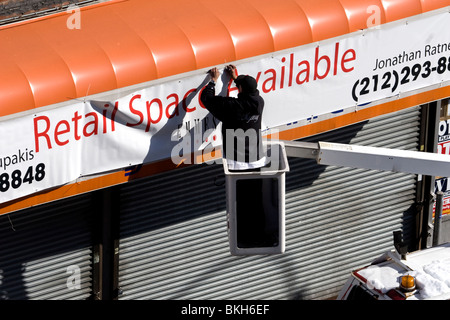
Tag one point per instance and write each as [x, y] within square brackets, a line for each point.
[173, 234]
[342, 218]
[46, 251]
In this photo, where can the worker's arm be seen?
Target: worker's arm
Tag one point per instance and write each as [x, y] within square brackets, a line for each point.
[223, 108]
[220, 107]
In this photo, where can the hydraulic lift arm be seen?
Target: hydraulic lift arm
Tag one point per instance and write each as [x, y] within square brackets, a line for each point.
[375, 158]
[272, 184]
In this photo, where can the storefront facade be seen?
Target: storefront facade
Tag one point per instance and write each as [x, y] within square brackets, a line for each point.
[96, 205]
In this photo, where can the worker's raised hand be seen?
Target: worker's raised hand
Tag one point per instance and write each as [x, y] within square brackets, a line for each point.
[232, 71]
[214, 73]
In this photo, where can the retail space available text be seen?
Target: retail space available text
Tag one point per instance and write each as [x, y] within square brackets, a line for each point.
[151, 113]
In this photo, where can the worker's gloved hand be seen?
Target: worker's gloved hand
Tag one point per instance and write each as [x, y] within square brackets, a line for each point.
[232, 71]
[214, 74]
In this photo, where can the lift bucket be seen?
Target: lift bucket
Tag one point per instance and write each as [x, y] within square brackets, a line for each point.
[256, 205]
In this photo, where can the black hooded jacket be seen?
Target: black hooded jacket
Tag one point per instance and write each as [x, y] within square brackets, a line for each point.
[243, 112]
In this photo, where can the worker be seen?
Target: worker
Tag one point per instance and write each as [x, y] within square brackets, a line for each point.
[242, 147]
[241, 120]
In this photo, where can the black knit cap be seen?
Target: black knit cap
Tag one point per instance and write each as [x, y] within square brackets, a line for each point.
[248, 83]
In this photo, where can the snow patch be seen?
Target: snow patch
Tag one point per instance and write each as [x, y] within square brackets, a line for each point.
[383, 278]
[433, 279]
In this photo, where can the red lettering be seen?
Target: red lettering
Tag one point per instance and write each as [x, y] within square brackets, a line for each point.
[291, 69]
[271, 79]
[282, 73]
[305, 71]
[63, 131]
[93, 122]
[41, 134]
[345, 60]
[104, 118]
[175, 112]
[75, 119]
[443, 148]
[257, 77]
[113, 116]
[316, 65]
[136, 112]
[149, 116]
[336, 55]
[231, 89]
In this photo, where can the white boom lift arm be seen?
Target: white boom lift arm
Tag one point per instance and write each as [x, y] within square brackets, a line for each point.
[375, 158]
[325, 153]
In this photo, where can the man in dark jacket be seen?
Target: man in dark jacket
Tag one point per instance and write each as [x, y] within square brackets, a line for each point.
[241, 120]
[242, 147]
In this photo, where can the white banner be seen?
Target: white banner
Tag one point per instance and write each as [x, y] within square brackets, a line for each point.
[55, 147]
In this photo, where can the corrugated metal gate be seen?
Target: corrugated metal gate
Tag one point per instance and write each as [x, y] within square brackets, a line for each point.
[173, 237]
[46, 252]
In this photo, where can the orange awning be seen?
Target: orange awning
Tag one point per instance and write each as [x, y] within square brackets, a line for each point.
[122, 43]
